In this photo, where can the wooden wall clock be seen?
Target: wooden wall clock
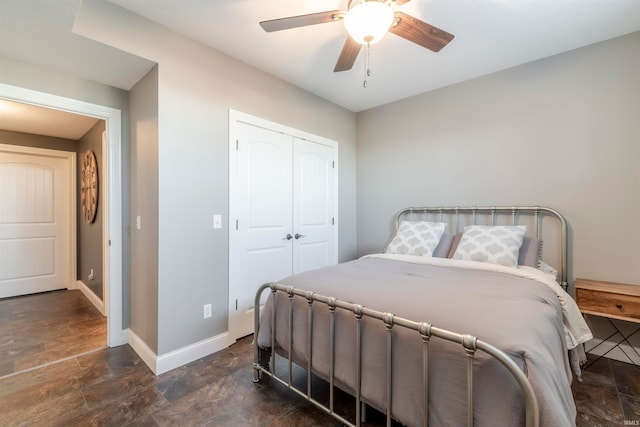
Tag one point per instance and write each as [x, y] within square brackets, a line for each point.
[89, 186]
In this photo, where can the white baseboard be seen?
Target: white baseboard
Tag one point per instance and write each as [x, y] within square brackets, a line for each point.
[140, 347]
[93, 298]
[182, 356]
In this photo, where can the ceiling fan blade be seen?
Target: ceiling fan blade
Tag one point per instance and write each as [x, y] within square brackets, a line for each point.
[301, 20]
[420, 32]
[348, 55]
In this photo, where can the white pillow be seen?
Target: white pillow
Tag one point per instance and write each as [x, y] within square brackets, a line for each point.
[416, 238]
[499, 244]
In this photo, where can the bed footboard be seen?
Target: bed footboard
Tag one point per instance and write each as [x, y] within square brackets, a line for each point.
[469, 344]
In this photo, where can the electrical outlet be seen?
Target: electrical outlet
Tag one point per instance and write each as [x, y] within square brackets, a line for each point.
[138, 222]
[207, 311]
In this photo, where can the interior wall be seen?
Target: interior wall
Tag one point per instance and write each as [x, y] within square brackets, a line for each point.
[50, 81]
[559, 132]
[143, 105]
[89, 236]
[37, 141]
[196, 88]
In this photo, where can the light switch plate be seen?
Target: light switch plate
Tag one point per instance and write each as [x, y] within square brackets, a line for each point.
[217, 221]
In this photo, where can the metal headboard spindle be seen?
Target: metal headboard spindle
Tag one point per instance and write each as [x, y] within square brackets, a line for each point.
[494, 211]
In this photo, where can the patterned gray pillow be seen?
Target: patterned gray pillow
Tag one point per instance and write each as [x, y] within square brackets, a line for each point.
[498, 244]
[416, 238]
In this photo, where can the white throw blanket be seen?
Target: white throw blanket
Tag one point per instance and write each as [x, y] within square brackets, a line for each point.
[576, 329]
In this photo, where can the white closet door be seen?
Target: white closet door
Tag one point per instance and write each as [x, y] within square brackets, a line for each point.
[313, 199]
[261, 249]
[34, 223]
[282, 184]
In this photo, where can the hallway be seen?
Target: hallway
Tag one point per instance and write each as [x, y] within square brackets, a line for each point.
[43, 328]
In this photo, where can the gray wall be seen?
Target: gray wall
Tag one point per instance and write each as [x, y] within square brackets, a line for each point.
[90, 235]
[37, 141]
[196, 88]
[561, 132]
[33, 77]
[143, 106]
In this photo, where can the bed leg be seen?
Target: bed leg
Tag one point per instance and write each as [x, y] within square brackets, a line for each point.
[256, 374]
[260, 360]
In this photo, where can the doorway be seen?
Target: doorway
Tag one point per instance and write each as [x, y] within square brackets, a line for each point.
[37, 218]
[46, 316]
[112, 184]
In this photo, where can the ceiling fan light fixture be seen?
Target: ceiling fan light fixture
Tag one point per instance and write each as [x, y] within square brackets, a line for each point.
[368, 21]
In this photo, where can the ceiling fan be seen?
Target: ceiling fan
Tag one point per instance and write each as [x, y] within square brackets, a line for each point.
[367, 21]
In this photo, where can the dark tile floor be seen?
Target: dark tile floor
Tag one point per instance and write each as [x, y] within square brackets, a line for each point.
[42, 328]
[608, 395]
[113, 387]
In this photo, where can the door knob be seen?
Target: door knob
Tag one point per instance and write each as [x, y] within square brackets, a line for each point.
[299, 236]
[288, 237]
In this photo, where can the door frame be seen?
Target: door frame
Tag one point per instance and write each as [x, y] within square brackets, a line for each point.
[112, 246]
[235, 117]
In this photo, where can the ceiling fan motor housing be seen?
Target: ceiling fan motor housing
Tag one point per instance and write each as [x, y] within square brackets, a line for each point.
[354, 3]
[367, 21]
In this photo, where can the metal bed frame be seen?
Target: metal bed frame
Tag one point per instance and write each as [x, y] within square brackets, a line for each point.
[424, 331]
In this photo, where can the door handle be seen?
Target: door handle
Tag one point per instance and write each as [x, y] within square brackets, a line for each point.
[288, 237]
[299, 236]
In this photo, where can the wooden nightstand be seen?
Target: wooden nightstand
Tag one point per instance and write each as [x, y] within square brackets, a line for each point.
[607, 299]
[612, 301]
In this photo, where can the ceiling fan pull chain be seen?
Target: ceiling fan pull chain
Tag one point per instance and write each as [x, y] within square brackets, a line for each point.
[368, 61]
[367, 71]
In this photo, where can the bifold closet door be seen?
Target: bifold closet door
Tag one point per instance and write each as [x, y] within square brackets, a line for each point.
[283, 207]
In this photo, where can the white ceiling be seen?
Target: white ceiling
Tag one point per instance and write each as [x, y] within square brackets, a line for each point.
[490, 35]
[19, 117]
[39, 32]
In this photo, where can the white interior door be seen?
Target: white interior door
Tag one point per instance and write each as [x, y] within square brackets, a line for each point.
[313, 199]
[261, 244]
[35, 221]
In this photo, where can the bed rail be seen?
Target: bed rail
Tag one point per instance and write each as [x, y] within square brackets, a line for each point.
[491, 213]
[425, 331]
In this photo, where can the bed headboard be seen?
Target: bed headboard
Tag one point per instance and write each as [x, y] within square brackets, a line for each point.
[553, 233]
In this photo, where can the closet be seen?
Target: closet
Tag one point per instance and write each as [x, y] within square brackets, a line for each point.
[282, 213]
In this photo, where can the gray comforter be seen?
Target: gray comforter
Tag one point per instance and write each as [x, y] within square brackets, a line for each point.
[520, 316]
